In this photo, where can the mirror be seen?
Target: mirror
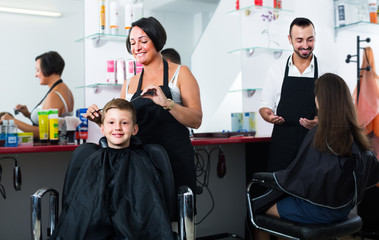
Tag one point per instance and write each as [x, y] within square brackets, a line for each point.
[25, 36]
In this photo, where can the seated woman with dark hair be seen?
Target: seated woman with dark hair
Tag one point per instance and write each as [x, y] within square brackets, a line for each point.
[333, 167]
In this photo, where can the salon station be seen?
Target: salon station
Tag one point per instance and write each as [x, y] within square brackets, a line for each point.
[229, 46]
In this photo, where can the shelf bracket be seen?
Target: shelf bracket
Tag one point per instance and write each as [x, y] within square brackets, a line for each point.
[97, 41]
[251, 92]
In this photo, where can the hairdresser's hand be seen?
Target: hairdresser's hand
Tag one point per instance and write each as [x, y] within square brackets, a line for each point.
[308, 123]
[22, 109]
[93, 114]
[156, 94]
[270, 117]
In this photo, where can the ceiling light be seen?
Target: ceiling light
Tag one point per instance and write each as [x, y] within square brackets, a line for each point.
[30, 12]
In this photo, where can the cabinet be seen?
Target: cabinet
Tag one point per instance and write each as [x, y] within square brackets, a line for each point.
[355, 18]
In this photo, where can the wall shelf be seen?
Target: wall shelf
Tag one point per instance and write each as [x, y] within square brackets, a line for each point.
[258, 8]
[250, 51]
[361, 26]
[98, 39]
[249, 91]
[97, 86]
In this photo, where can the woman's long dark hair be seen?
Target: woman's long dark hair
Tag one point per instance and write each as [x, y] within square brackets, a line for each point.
[337, 119]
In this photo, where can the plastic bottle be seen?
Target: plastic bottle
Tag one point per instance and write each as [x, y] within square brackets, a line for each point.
[258, 2]
[128, 16]
[341, 18]
[43, 125]
[53, 126]
[4, 133]
[278, 4]
[113, 17]
[373, 11]
[102, 16]
[12, 136]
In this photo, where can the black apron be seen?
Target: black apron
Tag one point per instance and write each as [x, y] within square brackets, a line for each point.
[297, 100]
[158, 126]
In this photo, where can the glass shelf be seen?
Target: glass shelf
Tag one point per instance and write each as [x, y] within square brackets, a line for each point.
[107, 37]
[245, 90]
[259, 8]
[98, 39]
[96, 86]
[351, 2]
[361, 26]
[252, 50]
[249, 91]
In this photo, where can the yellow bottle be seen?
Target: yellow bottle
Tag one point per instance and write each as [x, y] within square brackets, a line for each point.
[53, 126]
[43, 125]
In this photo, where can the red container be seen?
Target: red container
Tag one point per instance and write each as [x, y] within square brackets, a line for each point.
[278, 4]
[258, 2]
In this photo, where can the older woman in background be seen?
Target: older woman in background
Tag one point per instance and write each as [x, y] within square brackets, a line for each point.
[49, 67]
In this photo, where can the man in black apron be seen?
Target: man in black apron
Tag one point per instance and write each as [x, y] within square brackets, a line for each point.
[296, 110]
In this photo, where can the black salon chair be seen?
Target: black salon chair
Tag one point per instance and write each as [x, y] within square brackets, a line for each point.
[180, 207]
[294, 230]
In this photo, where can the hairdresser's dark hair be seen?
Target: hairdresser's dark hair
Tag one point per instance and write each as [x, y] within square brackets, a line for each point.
[338, 126]
[120, 104]
[51, 63]
[171, 54]
[154, 30]
[301, 22]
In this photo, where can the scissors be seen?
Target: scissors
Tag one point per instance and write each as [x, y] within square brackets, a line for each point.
[151, 92]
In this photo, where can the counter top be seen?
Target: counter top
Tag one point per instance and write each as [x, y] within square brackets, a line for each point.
[234, 139]
[195, 142]
[38, 148]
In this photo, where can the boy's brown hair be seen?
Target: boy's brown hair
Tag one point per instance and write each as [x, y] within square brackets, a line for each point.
[121, 104]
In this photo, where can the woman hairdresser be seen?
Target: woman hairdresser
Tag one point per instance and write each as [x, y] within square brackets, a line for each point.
[49, 68]
[174, 105]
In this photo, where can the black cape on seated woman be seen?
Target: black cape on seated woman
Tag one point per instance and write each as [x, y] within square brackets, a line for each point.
[115, 195]
[323, 178]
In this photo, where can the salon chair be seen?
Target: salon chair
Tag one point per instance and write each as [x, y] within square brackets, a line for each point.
[180, 204]
[294, 230]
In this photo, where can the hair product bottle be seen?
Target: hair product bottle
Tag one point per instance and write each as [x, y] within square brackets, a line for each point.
[113, 17]
[53, 126]
[12, 136]
[128, 16]
[373, 11]
[102, 16]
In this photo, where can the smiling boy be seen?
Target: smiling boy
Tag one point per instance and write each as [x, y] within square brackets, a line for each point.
[118, 123]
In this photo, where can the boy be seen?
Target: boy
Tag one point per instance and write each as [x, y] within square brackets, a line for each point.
[116, 193]
[118, 123]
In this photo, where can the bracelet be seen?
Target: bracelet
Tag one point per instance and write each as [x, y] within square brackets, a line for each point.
[172, 103]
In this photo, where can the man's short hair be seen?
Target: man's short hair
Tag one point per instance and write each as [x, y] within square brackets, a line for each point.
[301, 22]
[171, 54]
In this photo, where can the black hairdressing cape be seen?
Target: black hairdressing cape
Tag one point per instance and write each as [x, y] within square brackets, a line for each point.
[115, 195]
[323, 178]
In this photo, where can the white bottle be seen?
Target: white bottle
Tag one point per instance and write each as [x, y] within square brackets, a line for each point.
[113, 17]
[128, 16]
[341, 15]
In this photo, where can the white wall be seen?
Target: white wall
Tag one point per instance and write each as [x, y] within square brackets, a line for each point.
[216, 70]
[25, 37]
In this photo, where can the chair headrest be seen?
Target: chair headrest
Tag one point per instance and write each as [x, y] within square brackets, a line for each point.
[103, 142]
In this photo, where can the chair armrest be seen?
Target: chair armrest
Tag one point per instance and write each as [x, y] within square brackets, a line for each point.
[265, 178]
[35, 205]
[186, 213]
